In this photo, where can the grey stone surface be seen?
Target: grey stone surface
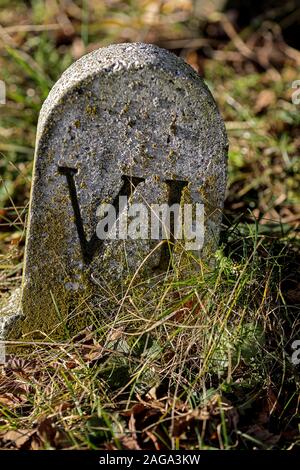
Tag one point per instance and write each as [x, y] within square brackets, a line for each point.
[127, 109]
[10, 313]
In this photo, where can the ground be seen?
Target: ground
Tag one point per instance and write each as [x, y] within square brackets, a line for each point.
[211, 362]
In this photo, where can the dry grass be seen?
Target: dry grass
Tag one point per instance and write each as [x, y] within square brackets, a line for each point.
[208, 363]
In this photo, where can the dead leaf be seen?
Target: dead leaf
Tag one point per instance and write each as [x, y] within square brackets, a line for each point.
[133, 438]
[264, 99]
[78, 48]
[136, 409]
[192, 59]
[50, 434]
[20, 367]
[94, 354]
[18, 438]
[151, 395]
[129, 443]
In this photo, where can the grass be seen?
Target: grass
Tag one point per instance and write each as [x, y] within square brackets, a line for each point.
[207, 363]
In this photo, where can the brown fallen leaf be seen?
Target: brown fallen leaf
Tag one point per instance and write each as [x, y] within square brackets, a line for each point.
[20, 367]
[77, 48]
[264, 99]
[18, 438]
[133, 438]
[94, 354]
[192, 59]
[36, 443]
[49, 433]
[13, 400]
[85, 336]
[136, 409]
[129, 443]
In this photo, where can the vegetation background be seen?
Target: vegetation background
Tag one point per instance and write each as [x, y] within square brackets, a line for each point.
[208, 364]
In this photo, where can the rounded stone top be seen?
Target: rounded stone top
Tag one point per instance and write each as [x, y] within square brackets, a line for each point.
[117, 59]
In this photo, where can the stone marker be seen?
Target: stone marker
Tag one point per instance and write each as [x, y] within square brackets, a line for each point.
[126, 120]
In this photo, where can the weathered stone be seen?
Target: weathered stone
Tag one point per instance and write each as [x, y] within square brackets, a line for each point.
[125, 114]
